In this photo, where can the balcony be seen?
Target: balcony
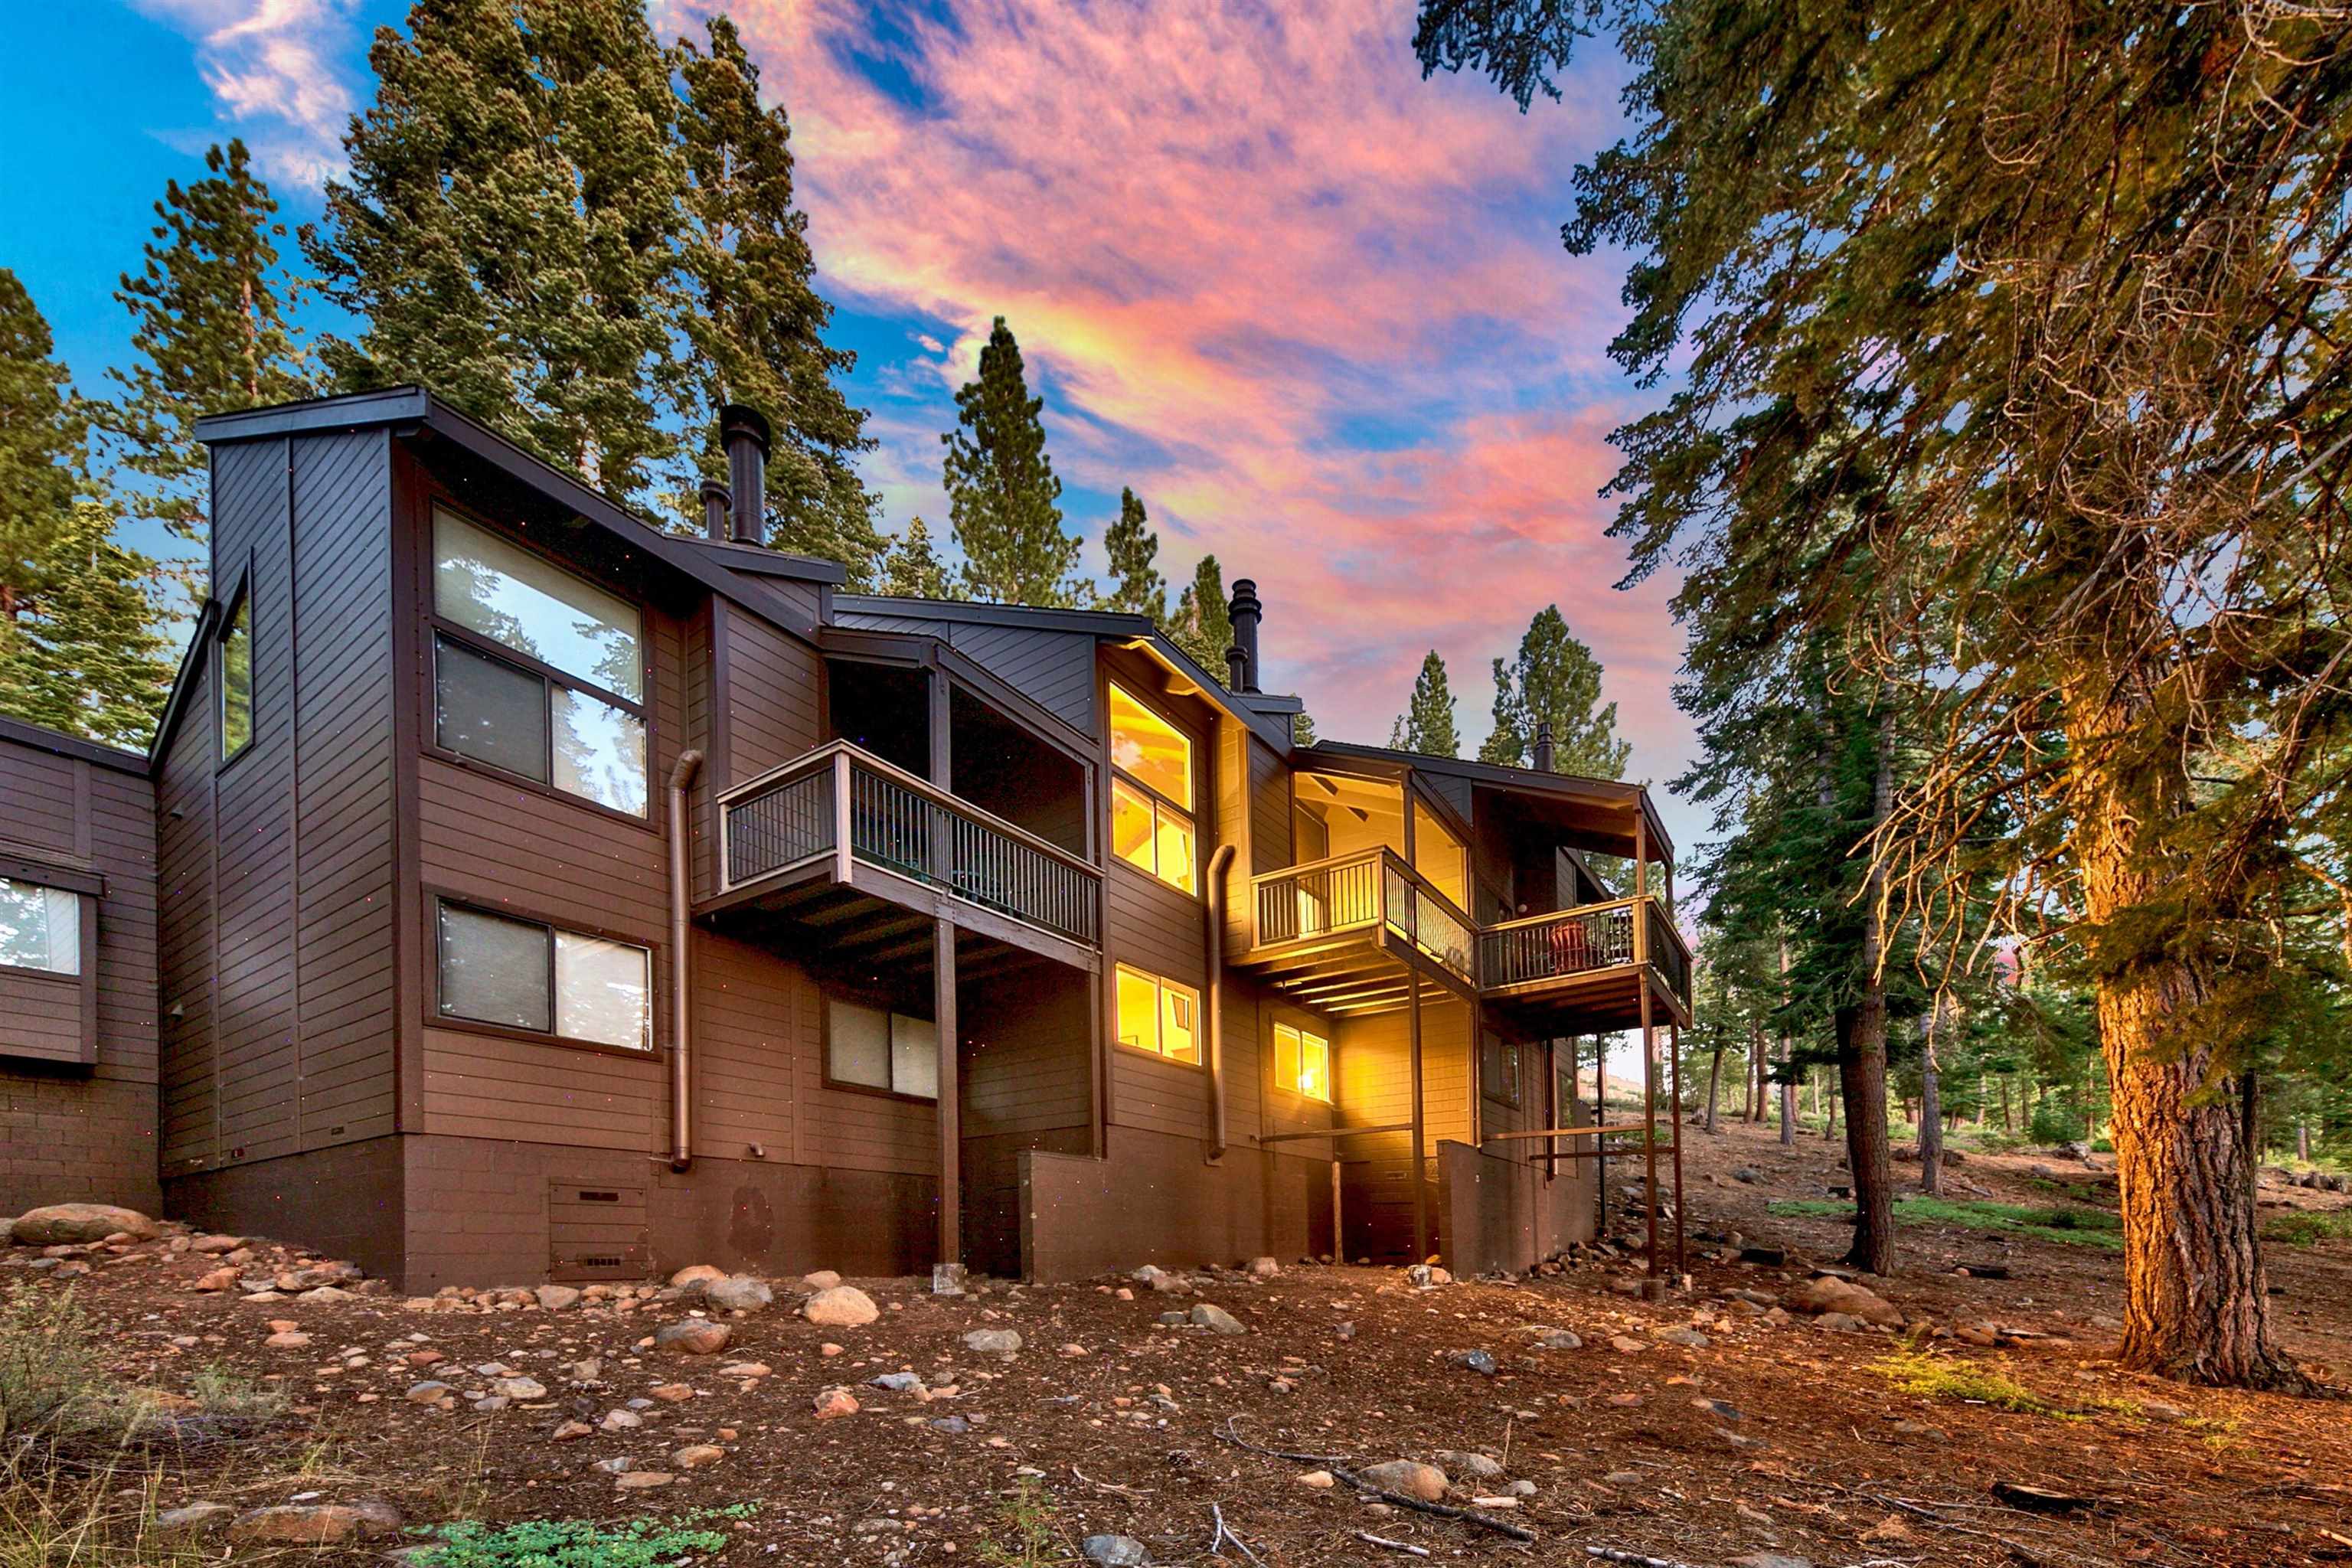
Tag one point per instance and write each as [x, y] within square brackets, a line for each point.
[1352, 935]
[839, 828]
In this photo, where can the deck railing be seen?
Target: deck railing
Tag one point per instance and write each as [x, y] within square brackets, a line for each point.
[1546, 947]
[846, 804]
[1361, 891]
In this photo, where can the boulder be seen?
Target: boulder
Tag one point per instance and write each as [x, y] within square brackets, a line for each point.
[1264, 1267]
[823, 1279]
[693, 1336]
[840, 1306]
[695, 1274]
[1113, 1551]
[992, 1340]
[315, 1524]
[58, 1223]
[832, 1402]
[1477, 1467]
[556, 1297]
[1408, 1477]
[1216, 1320]
[736, 1293]
[1829, 1293]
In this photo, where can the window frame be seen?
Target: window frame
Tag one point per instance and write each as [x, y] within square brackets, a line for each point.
[1190, 815]
[239, 601]
[1162, 985]
[85, 926]
[438, 627]
[1315, 1030]
[1510, 1056]
[890, 1013]
[434, 1018]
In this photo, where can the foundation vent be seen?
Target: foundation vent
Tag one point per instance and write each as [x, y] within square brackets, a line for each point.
[597, 1232]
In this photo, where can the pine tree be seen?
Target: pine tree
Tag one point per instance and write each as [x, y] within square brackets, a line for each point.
[507, 234]
[1555, 679]
[755, 324]
[1137, 587]
[209, 324]
[1001, 492]
[1426, 725]
[1302, 729]
[1204, 624]
[912, 570]
[79, 649]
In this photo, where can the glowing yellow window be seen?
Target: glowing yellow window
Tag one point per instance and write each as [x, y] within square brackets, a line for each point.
[1302, 1062]
[1151, 794]
[1158, 1015]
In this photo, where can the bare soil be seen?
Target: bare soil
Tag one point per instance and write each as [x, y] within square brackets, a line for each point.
[1768, 1437]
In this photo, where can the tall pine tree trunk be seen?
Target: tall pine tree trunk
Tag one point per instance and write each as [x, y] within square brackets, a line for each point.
[1714, 1081]
[1931, 1103]
[2195, 1301]
[1862, 1051]
[1787, 1050]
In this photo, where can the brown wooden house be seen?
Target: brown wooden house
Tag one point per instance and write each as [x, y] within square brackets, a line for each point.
[519, 890]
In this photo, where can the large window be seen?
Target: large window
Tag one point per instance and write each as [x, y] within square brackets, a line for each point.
[571, 712]
[874, 1048]
[1158, 1015]
[40, 928]
[1151, 793]
[520, 974]
[1438, 856]
[236, 678]
[1302, 1062]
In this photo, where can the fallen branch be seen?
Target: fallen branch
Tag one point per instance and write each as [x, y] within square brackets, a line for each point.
[1407, 1547]
[1632, 1559]
[1223, 1533]
[1340, 1471]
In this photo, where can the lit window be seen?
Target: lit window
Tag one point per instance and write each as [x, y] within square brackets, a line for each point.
[876, 1049]
[1302, 1062]
[520, 974]
[1158, 1015]
[237, 679]
[576, 722]
[1151, 793]
[40, 928]
[1438, 856]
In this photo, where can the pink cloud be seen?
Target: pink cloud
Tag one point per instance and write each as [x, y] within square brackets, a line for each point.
[1314, 308]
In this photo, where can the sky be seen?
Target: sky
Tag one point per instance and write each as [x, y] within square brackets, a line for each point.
[1312, 308]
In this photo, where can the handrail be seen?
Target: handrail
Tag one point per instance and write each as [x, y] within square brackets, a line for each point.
[842, 802]
[921, 786]
[1555, 914]
[1354, 857]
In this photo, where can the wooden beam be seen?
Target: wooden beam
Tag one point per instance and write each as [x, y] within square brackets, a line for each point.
[943, 1001]
[1420, 1130]
[1649, 1130]
[1674, 1045]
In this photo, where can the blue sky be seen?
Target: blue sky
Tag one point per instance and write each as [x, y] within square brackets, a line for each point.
[1311, 307]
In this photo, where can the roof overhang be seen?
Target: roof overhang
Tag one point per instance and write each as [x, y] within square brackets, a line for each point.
[1598, 816]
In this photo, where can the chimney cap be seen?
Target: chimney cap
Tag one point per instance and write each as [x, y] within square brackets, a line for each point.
[742, 417]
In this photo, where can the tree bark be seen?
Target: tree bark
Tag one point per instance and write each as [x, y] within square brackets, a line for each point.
[1861, 1027]
[1713, 1080]
[1787, 1050]
[1931, 1105]
[2195, 1299]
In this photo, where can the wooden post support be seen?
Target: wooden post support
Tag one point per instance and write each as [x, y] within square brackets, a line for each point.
[1674, 1045]
[1653, 1284]
[1420, 1122]
[943, 994]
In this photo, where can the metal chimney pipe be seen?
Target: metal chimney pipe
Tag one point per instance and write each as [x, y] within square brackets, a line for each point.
[744, 430]
[1245, 612]
[1236, 670]
[1543, 746]
[715, 505]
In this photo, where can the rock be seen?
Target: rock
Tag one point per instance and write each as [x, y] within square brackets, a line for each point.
[1748, 1176]
[2157, 1410]
[1409, 1478]
[571, 1432]
[840, 1306]
[694, 1455]
[695, 1274]
[288, 1340]
[1216, 1319]
[736, 1293]
[1830, 1294]
[823, 1279]
[218, 1279]
[315, 1524]
[214, 1245]
[1840, 1323]
[1625, 1344]
[520, 1388]
[620, 1465]
[1691, 1338]
[745, 1369]
[196, 1519]
[693, 1336]
[1113, 1550]
[1770, 1560]
[1157, 1278]
[671, 1392]
[901, 1382]
[1264, 1267]
[1480, 1362]
[993, 1340]
[56, 1223]
[641, 1481]
[832, 1402]
[621, 1421]
[953, 1426]
[1321, 1480]
[1427, 1277]
[556, 1297]
[1556, 1339]
[1477, 1467]
[427, 1393]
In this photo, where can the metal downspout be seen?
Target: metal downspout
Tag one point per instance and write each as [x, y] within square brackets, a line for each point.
[1216, 944]
[681, 1055]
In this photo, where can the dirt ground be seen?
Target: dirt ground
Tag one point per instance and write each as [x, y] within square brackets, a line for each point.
[1755, 1436]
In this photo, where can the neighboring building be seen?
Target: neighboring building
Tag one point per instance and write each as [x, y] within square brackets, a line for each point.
[518, 890]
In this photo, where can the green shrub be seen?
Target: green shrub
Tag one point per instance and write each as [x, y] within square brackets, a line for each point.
[2072, 1226]
[53, 1390]
[577, 1542]
[1916, 1372]
[2307, 1229]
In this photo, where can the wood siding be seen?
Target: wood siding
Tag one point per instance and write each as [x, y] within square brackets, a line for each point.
[1057, 670]
[78, 1054]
